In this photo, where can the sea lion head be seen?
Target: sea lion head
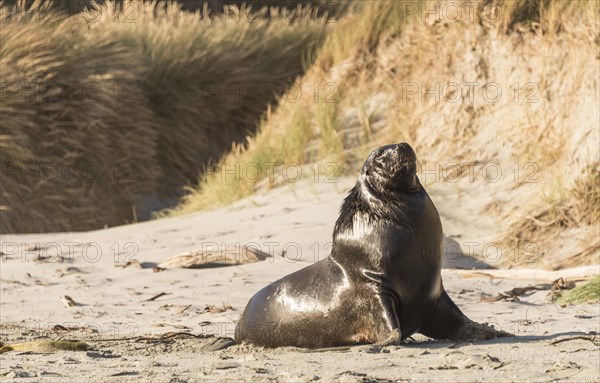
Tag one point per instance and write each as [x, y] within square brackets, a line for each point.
[391, 168]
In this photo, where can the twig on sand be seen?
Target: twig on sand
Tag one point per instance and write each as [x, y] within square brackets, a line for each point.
[214, 309]
[590, 338]
[324, 349]
[215, 344]
[170, 335]
[68, 301]
[159, 338]
[557, 285]
[184, 309]
[156, 297]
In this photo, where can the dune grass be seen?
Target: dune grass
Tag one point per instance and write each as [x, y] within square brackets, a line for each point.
[588, 292]
[546, 122]
[104, 110]
[306, 125]
[66, 138]
[352, 47]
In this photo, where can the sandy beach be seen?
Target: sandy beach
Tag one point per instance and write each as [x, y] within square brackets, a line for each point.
[137, 317]
[162, 162]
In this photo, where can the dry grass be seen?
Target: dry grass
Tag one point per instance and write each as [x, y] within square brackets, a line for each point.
[563, 210]
[545, 123]
[307, 125]
[67, 141]
[331, 7]
[207, 82]
[128, 107]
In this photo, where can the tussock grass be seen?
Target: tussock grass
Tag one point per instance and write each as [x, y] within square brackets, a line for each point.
[206, 81]
[331, 7]
[67, 141]
[363, 27]
[122, 113]
[588, 292]
[306, 126]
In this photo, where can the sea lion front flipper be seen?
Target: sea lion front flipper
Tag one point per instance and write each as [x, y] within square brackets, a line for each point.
[444, 321]
[391, 305]
[390, 314]
[394, 339]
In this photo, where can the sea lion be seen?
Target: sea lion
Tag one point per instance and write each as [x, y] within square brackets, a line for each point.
[382, 281]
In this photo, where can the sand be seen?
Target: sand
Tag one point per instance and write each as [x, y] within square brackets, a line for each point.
[120, 310]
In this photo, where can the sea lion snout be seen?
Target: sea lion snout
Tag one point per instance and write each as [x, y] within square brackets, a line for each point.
[406, 152]
[392, 168]
[407, 159]
[392, 157]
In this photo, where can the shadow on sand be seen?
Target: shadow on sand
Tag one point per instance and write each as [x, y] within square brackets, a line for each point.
[517, 339]
[453, 257]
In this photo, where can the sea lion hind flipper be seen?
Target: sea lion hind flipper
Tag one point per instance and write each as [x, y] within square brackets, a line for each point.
[444, 320]
[479, 331]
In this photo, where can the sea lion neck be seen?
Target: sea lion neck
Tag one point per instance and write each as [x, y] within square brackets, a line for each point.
[376, 206]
